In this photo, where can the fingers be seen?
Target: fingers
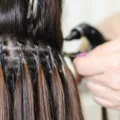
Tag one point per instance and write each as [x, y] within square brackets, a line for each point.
[110, 78]
[104, 96]
[103, 92]
[103, 102]
[106, 103]
[88, 65]
[101, 67]
[99, 60]
[105, 88]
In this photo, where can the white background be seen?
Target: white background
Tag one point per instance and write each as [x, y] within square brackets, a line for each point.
[91, 11]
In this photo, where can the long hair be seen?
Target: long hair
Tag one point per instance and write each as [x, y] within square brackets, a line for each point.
[35, 82]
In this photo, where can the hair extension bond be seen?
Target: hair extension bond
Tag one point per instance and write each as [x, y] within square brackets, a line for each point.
[35, 82]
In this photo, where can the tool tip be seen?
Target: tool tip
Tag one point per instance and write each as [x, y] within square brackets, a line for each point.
[73, 35]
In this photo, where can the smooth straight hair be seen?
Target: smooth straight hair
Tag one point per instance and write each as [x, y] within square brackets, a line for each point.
[35, 82]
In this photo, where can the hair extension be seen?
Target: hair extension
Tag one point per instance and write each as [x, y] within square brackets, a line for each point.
[18, 97]
[28, 103]
[53, 95]
[4, 96]
[57, 90]
[42, 97]
[35, 84]
[70, 89]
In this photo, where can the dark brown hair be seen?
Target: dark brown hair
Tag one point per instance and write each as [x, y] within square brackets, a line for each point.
[35, 82]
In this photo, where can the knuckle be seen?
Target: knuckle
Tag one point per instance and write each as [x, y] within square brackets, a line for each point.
[116, 63]
[117, 100]
[115, 85]
[78, 67]
[104, 104]
[98, 102]
[117, 107]
[95, 99]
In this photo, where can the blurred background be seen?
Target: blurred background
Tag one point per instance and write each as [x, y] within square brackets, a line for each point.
[92, 12]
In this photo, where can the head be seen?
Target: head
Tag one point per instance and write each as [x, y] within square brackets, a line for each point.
[35, 82]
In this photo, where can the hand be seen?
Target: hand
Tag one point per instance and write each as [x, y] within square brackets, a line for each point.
[101, 68]
[110, 28]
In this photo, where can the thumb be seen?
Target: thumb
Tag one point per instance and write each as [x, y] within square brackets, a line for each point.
[88, 65]
[94, 62]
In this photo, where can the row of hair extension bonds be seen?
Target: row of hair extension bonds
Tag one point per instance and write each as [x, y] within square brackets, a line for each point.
[60, 100]
[48, 91]
[53, 88]
[50, 97]
[42, 86]
[23, 102]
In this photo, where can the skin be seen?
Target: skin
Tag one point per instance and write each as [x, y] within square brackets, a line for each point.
[101, 66]
[110, 27]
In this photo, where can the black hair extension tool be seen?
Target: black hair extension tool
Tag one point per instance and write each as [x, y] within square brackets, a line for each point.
[90, 34]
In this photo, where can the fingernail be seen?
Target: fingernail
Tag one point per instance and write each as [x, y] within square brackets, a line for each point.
[82, 54]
